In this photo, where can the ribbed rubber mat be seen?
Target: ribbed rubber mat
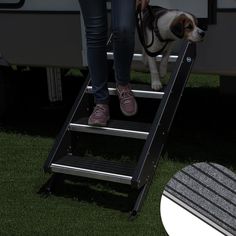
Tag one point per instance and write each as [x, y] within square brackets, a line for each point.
[97, 164]
[209, 192]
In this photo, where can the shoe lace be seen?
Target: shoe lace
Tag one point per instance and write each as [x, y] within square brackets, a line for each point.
[126, 94]
[98, 110]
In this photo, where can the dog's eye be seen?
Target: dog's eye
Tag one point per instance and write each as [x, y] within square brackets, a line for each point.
[189, 27]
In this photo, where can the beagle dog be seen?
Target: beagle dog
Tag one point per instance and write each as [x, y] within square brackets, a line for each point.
[161, 28]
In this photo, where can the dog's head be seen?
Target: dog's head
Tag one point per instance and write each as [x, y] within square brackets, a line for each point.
[185, 26]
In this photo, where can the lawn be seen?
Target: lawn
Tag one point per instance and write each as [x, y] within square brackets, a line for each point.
[204, 130]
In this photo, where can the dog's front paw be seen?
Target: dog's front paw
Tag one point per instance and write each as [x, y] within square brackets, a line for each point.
[156, 85]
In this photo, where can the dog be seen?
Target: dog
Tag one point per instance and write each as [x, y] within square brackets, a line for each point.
[162, 28]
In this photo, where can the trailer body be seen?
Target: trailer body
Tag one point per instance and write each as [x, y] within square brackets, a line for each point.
[51, 33]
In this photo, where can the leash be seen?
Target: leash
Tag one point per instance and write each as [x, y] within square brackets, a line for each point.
[153, 28]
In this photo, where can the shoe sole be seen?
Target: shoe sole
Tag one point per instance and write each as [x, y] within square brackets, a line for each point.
[130, 114]
[98, 124]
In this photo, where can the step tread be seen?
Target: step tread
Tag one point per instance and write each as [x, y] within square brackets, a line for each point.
[97, 164]
[119, 124]
[136, 86]
[139, 90]
[120, 128]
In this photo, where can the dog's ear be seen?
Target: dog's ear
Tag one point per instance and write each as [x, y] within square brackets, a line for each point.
[177, 26]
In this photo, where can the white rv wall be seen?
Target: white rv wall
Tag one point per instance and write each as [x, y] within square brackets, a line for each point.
[199, 8]
[47, 5]
[227, 4]
[9, 1]
[196, 7]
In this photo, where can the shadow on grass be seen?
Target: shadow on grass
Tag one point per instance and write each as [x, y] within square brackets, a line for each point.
[104, 194]
[29, 110]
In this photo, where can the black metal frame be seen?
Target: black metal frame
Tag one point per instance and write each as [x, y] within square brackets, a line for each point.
[212, 11]
[63, 140]
[154, 145]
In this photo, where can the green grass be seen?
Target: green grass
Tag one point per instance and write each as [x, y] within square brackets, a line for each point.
[204, 130]
[24, 212]
[195, 80]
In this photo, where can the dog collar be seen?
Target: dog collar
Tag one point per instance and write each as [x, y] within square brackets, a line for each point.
[139, 21]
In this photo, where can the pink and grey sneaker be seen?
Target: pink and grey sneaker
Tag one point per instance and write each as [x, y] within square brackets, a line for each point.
[100, 115]
[128, 104]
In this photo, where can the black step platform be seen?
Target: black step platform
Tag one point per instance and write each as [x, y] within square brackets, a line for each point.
[139, 90]
[129, 129]
[96, 168]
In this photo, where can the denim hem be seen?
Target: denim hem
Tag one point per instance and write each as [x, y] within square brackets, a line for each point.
[106, 101]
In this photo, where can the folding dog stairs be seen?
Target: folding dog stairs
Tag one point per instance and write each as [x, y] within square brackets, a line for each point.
[142, 136]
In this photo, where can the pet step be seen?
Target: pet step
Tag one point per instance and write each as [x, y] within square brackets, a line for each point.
[139, 90]
[95, 168]
[128, 129]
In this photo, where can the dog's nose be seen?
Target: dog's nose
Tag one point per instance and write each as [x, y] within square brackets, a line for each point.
[202, 33]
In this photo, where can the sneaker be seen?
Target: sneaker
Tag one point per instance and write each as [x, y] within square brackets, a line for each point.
[128, 104]
[100, 115]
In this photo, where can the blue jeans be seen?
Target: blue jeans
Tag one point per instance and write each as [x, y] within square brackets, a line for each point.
[123, 27]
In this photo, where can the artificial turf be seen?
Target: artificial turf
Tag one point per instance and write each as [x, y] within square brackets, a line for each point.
[24, 212]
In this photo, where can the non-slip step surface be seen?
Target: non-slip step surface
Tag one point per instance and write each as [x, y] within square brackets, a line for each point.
[97, 168]
[129, 129]
[208, 191]
[139, 90]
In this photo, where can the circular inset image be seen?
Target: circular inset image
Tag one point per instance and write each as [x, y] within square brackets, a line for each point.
[200, 200]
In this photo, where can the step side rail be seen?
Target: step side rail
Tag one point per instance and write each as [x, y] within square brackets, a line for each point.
[63, 140]
[153, 147]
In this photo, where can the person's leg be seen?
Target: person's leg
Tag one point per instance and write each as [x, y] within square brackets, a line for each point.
[95, 19]
[123, 26]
